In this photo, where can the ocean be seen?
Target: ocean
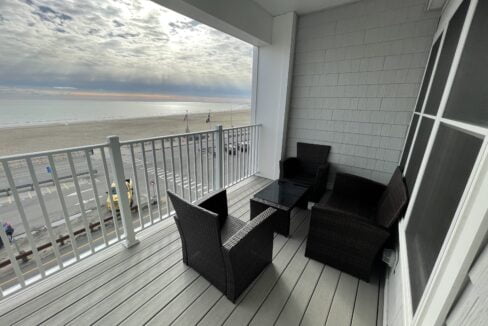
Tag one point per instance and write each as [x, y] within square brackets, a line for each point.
[14, 113]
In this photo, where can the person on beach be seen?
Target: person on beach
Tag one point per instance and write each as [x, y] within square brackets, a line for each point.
[9, 231]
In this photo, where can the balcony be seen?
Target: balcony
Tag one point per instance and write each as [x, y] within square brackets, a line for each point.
[148, 283]
[385, 84]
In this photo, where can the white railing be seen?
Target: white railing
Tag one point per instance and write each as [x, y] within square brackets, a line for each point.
[64, 207]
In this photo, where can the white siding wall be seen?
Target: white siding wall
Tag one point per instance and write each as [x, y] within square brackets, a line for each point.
[357, 74]
[471, 309]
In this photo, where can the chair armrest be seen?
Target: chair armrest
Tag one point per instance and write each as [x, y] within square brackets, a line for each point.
[216, 203]
[353, 186]
[289, 167]
[344, 240]
[247, 252]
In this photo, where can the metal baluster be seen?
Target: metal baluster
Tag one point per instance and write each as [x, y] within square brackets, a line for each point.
[249, 153]
[156, 173]
[95, 194]
[64, 208]
[219, 157]
[23, 217]
[246, 151]
[234, 154]
[226, 159]
[243, 153]
[257, 147]
[109, 193]
[254, 133]
[146, 178]
[45, 215]
[173, 167]
[195, 165]
[181, 168]
[165, 176]
[239, 154]
[213, 157]
[207, 160]
[201, 163]
[188, 167]
[80, 200]
[136, 185]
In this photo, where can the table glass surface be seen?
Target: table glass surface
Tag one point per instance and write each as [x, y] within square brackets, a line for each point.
[282, 193]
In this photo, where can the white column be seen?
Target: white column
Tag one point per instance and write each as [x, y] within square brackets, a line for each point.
[124, 207]
[272, 73]
[219, 174]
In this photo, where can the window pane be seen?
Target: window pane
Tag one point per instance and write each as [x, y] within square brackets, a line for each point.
[428, 74]
[418, 152]
[408, 143]
[445, 60]
[450, 165]
[469, 95]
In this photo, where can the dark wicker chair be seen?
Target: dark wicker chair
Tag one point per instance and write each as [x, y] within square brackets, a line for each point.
[350, 229]
[310, 168]
[228, 252]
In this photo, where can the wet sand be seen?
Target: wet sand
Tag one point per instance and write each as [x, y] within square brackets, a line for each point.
[48, 137]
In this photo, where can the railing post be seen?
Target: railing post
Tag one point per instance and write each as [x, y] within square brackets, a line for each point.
[124, 207]
[219, 176]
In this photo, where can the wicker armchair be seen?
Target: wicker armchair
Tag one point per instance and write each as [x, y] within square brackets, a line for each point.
[228, 252]
[350, 229]
[309, 168]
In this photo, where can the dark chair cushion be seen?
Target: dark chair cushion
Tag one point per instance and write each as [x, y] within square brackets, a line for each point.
[301, 180]
[353, 206]
[312, 156]
[393, 201]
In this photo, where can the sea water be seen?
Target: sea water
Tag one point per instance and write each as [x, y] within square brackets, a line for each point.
[15, 113]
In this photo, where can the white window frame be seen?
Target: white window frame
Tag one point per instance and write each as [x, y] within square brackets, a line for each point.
[470, 222]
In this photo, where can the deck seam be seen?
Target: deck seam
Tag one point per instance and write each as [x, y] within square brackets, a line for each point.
[311, 295]
[276, 282]
[333, 297]
[291, 291]
[286, 266]
[354, 304]
[101, 285]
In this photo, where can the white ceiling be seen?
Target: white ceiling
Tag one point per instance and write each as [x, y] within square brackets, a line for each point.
[279, 7]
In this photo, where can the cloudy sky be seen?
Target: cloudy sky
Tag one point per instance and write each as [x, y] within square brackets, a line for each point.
[116, 46]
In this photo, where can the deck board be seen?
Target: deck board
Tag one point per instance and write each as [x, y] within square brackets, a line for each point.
[149, 284]
[365, 309]
[321, 300]
[342, 308]
[299, 298]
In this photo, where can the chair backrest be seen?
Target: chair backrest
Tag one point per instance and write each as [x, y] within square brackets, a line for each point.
[200, 231]
[312, 156]
[393, 201]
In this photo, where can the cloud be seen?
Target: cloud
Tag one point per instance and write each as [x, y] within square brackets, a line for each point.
[117, 45]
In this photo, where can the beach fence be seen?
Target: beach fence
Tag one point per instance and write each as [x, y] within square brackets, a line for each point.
[116, 190]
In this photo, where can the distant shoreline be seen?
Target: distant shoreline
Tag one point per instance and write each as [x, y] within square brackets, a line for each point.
[76, 122]
[36, 138]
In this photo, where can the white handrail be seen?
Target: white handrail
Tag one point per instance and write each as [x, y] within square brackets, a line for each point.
[214, 160]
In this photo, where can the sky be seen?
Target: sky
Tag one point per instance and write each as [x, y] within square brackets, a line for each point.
[125, 48]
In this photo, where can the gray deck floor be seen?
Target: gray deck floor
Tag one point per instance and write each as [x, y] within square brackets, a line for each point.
[149, 284]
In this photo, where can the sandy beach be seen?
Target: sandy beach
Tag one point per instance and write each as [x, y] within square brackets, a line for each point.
[47, 137]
